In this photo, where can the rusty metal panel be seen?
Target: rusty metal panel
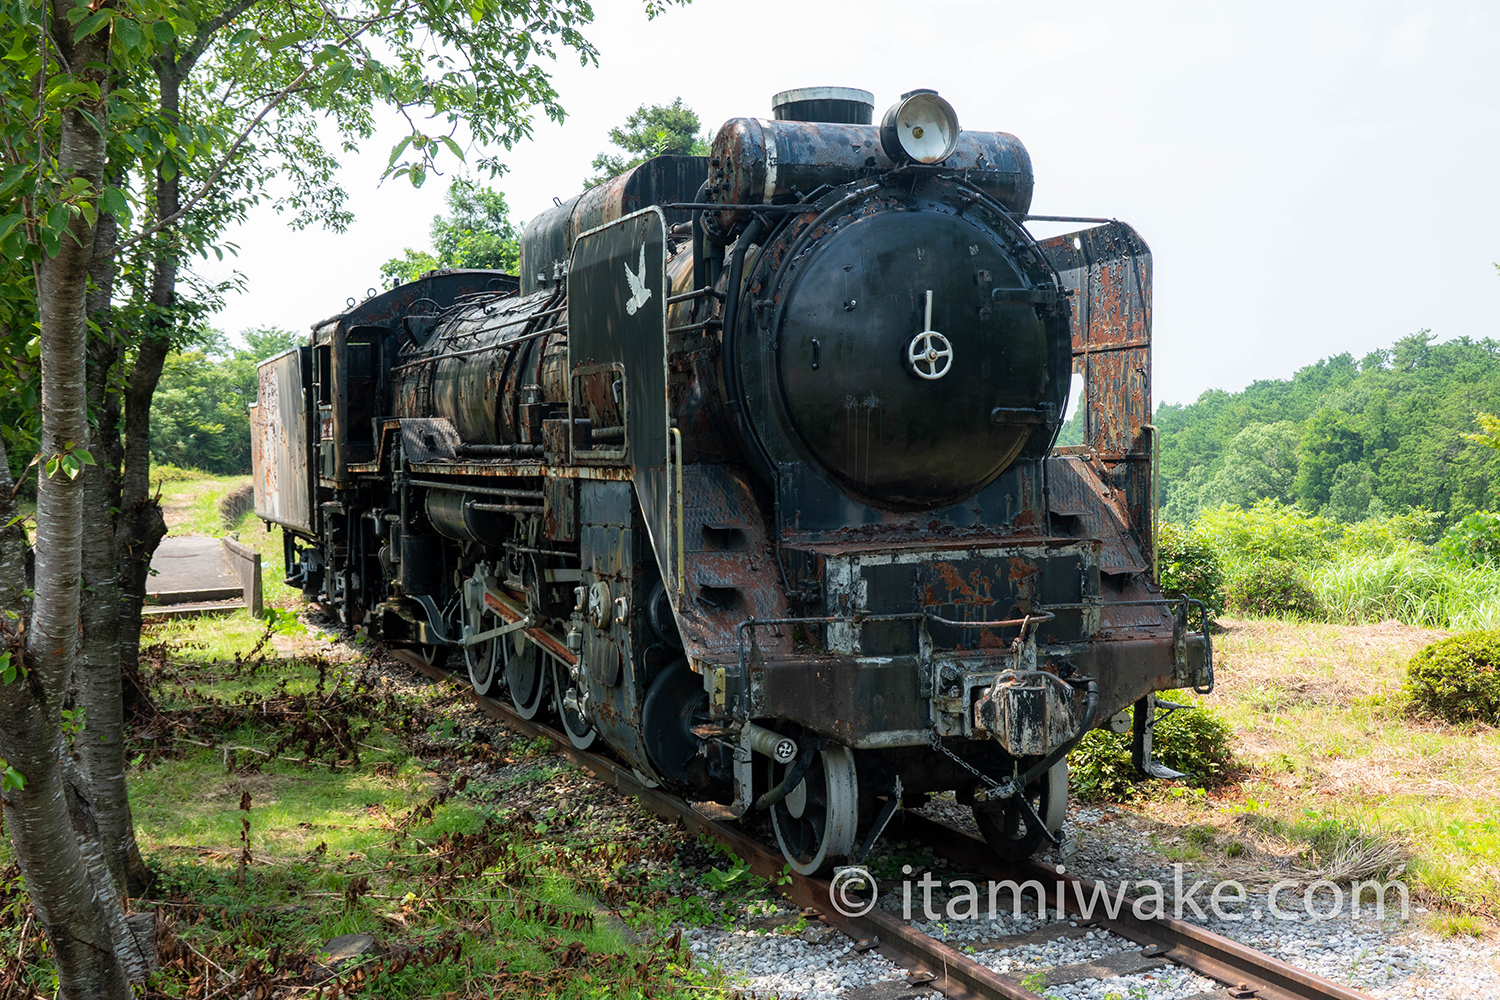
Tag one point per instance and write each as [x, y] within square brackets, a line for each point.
[560, 509]
[279, 442]
[617, 314]
[730, 570]
[1107, 270]
[428, 439]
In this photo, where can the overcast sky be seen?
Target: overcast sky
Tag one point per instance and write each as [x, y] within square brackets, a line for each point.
[1312, 177]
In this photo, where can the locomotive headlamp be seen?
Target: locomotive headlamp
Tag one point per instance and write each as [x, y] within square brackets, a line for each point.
[921, 128]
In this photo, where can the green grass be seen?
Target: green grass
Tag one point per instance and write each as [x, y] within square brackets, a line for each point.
[467, 894]
[209, 638]
[1337, 757]
[1408, 586]
[191, 502]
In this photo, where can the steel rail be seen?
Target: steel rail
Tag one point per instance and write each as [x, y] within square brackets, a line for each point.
[930, 961]
[1246, 972]
[1242, 968]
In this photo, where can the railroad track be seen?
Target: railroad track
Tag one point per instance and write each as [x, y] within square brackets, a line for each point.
[1242, 972]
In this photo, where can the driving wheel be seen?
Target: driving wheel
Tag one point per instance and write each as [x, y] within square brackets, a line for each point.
[580, 731]
[526, 675]
[483, 659]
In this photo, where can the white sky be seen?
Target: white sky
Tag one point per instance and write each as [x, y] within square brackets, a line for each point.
[1312, 177]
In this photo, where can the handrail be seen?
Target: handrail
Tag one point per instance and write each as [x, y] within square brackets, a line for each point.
[677, 441]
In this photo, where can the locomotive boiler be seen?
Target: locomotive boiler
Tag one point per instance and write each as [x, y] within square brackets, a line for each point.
[750, 475]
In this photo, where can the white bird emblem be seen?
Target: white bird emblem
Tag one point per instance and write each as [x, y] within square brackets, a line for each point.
[639, 293]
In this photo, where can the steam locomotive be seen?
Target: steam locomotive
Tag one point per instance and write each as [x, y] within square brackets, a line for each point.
[750, 474]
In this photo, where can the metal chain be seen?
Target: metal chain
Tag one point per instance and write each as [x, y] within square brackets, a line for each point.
[996, 790]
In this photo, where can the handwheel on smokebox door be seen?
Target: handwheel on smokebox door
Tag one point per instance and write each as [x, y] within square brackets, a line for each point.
[581, 732]
[816, 823]
[1010, 831]
[526, 674]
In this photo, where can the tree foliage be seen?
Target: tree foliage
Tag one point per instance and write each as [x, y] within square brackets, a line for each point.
[199, 418]
[1357, 439]
[651, 130]
[476, 232]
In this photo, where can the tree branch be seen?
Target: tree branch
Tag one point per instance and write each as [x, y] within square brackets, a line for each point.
[206, 32]
[240, 140]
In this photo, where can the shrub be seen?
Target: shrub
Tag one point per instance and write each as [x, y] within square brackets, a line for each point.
[1474, 541]
[1272, 589]
[1268, 531]
[1189, 566]
[1458, 678]
[1194, 740]
[1416, 528]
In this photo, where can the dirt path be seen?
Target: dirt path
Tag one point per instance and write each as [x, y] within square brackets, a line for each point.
[182, 502]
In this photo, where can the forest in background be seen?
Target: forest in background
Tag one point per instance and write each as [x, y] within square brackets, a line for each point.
[1343, 438]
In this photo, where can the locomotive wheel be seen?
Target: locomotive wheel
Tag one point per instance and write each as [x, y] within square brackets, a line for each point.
[526, 675]
[483, 660]
[581, 732]
[432, 654]
[816, 823]
[1009, 830]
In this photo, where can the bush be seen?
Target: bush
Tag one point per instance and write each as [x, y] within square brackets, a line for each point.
[1474, 541]
[1458, 678]
[1272, 589]
[1268, 531]
[1189, 566]
[1195, 740]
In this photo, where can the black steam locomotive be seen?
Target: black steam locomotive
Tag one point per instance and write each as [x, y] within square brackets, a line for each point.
[750, 475]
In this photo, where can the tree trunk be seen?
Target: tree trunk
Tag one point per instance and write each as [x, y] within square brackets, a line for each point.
[73, 912]
[141, 527]
[49, 817]
[101, 753]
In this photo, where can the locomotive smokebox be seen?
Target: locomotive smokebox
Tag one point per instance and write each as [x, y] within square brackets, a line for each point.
[834, 105]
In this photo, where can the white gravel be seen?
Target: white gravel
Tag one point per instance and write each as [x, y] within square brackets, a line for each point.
[771, 963]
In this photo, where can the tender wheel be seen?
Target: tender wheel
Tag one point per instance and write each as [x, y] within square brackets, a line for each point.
[483, 660]
[526, 676]
[816, 823]
[580, 731]
[1009, 831]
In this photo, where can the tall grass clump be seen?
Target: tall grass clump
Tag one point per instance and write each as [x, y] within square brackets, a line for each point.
[1408, 585]
[1280, 561]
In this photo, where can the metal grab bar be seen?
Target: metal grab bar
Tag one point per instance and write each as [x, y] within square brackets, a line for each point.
[677, 442]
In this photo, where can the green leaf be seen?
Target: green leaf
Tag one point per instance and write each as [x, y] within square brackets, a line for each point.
[129, 33]
[57, 220]
[418, 175]
[162, 30]
[84, 456]
[11, 779]
[21, 50]
[10, 222]
[400, 148]
[452, 146]
[115, 202]
[242, 36]
[95, 22]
